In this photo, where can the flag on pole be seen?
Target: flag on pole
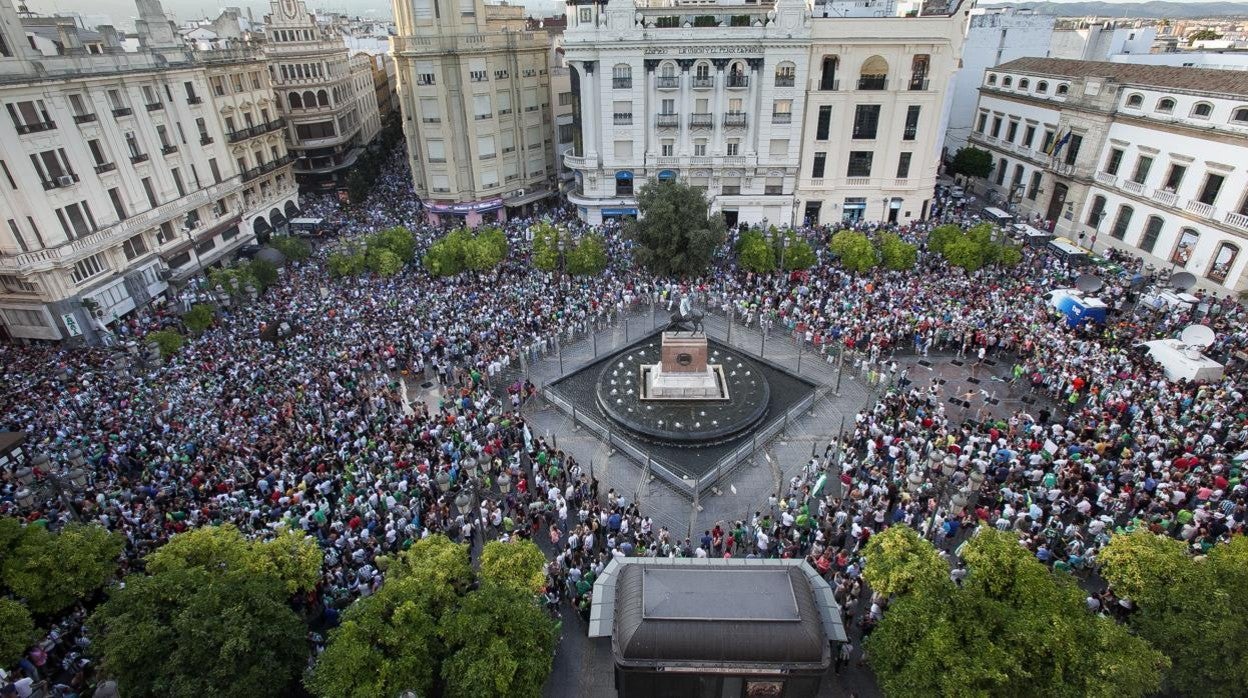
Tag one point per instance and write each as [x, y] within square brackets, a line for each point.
[1061, 143]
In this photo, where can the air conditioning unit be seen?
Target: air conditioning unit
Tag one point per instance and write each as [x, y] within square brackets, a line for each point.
[64, 180]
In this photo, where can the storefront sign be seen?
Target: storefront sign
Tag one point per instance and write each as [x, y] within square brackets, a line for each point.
[469, 207]
[71, 325]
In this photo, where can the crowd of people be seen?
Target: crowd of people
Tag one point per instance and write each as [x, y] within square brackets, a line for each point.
[321, 432]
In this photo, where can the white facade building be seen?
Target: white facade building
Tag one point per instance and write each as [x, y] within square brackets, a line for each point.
[326, 93]
[713, 94]
[1096, 41]
[877, 104]
[994, 36]
[1147, 159]
[118, 173]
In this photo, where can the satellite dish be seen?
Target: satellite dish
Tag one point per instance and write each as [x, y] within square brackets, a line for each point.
[1197, 336]
[1193, 354]
[1183, 280]
[1089, 283]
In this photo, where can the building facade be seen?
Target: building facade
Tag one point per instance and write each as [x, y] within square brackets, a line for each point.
[877, 104]
[474, 88]
[121, 171]
[1146, 159]
[326, 94]
[711, 94]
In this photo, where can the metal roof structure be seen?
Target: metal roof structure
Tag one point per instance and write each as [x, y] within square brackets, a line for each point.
[692, 612]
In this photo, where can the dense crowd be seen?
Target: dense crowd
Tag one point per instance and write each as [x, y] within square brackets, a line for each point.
[319, 432]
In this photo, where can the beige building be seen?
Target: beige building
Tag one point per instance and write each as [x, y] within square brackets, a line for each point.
[122, 171]
[474, 88]
[327, 95]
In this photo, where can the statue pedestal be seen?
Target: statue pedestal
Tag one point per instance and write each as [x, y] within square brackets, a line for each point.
[683, 372]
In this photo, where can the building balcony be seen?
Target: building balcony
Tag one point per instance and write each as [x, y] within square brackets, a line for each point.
[65, 180]
[857, 181]
[705, 83]
[36, 127]
[267, 167]
[1167, 198]
[667, 82]
[168, 149]
[206, 140]
[734, 118]
[1106, 178]
[622, 118]
[257, 130]
[784, 118]
[1237, 220]
[873, 82]
[194, 99]
[622, 83]
[154, 106]
[106, 167]
[701, 120]
[829, 85]
[667, 120]
[919, 84]
[84, 118]
[785, 81]
[122, 111]
[738, 81]
[1133, 187]
[1201, 209]
[136, 159]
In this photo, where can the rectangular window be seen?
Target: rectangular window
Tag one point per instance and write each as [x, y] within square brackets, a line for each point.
[1152, 231]
[1174, 178]
[699, 148]
[216, 172]
[1072, 149]
[667, 148]
[150, 191]
[912, 122]
[622, 112]
[859, 163]
[30, 116]
[903, 166]
[819, 165]
[17, 236]
[430, 111]
[481, 107]
[623, 150]
[1121, 222]
[485, 147]
[1115, 161]
[504, 102]
[782, 111]
[135, 247]
[1142, 165]
[734, 147]
[1029, 136]
[996, 127]
[1033, 189]
[89, 267]
[1011, 131]
[436, 150]
[1096, 212]
[824, 123]
[866, 121]
[1048, 141]
[119, 206]
[509, 141]
[778, 147]
[1213, 185]
[8, 176]
[177, 181]
[982, 124]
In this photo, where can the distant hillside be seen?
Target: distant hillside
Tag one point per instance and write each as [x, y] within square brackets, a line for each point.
[1159, 9]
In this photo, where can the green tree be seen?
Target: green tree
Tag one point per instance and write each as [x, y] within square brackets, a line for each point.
[169, 341]
[798, 254]
[942, 235]
[292, 558]
[398, 240]
[17, 631]
[291, 247]
[546, 253]
[501, 645]
[348, 262]
[855, 251]
[462, 250]
[263, 271]
[383, 262]
[358, 185]
[965, 253]
[193, 632]
[900, 562]
[588, 257]
[1013, 628]
[1204, 35]
[675, 235]
[1010, 256]
[755, 253]
[233, 280]
[52, 571]
[1193, 609]
[897, 254]
[518, 565]
[199, 318]
[971, 162]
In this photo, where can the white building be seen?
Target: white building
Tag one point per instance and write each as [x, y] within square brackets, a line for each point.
[711, 93]
[119, 172]
[326, 94]
[1216, 60]
[1147, 159]
[1086, 40]
[877, 103]
[994, 36]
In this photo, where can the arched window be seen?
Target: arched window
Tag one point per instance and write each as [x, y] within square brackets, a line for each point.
[1063, 88]
[786, 74]
[1024, 84]
[1223, 260]
[668, 69]
[1121, 221]
[1007, 81]
[737, 75]
[1240, 116]
[622, 76]
[624, 183]
[1184, 247]
[1135, 101]
[309, 99]
[1202, 110]
[322, 98]
[295, 101]
[874, 74]
[1165, 105]
[702, 75]
[1042, 87]
[1152, 231]
[992, 79]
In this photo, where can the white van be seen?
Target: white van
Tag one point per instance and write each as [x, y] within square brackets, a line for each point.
[1180, 362]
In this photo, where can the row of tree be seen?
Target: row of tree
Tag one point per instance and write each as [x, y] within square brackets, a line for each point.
[466, 250]
[554, 248]
[759, 253]
[973, 248]
[384, 253]
[857, 253]
[1012, 627]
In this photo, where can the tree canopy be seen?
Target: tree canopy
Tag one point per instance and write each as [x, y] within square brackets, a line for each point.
[971, 162]
[755, 253]
[465, 250]
[1013, 628]
[675, 235]
[52, 571]
[897, 254]
[855, 251]
[973, 248]
[588, 257]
